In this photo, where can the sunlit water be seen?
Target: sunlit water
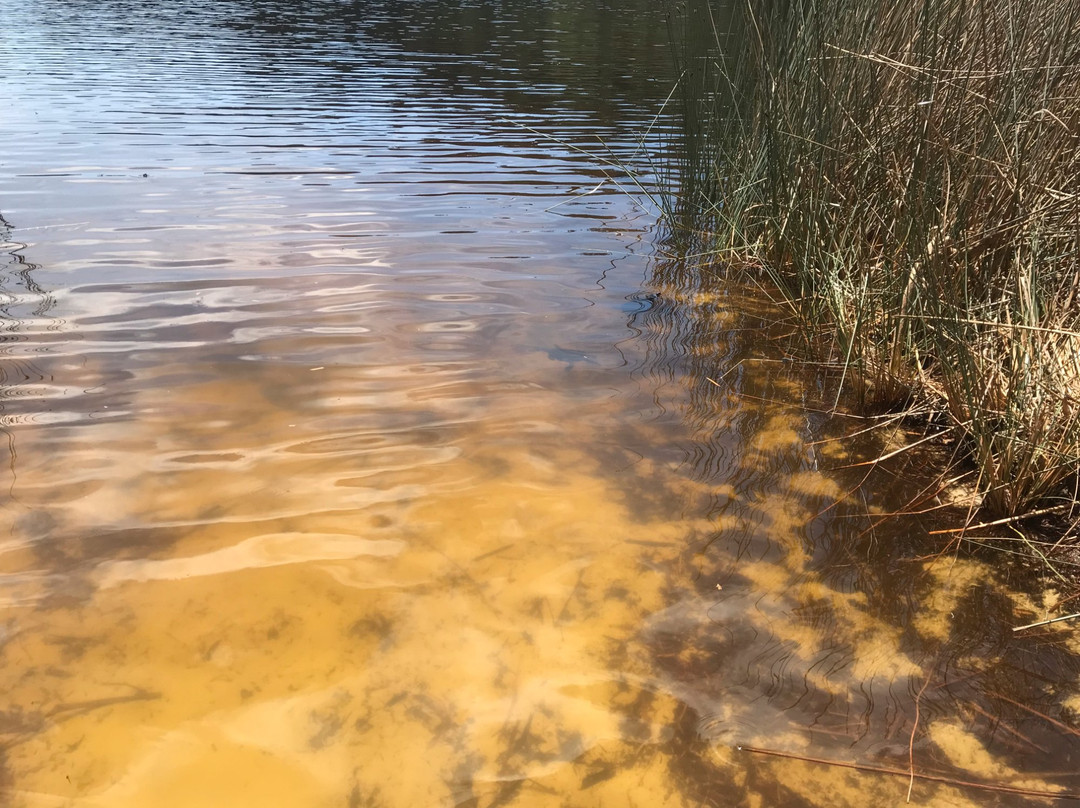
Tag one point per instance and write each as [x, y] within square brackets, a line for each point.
[361, 449]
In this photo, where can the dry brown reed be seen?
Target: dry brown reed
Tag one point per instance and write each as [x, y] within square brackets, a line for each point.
[908, 174]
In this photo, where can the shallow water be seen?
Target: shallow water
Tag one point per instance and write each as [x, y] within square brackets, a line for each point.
[363, 449]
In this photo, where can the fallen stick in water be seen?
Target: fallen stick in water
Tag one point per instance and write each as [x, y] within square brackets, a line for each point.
[1047, 622]
[936, 778]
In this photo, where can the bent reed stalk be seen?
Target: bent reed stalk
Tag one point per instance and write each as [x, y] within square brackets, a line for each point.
[908, 176]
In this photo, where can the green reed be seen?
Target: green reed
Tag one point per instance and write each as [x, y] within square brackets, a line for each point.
[908, 176]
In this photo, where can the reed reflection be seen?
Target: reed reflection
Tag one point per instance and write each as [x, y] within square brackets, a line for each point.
[25, 386]
[24, 311]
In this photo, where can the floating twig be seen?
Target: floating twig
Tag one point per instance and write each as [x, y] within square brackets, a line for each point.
[723, 375]
[1006, 521]
[1047, 622]
[901, 450]
[996, 723]
[934, 778]
[1050, 719]
[911, 739]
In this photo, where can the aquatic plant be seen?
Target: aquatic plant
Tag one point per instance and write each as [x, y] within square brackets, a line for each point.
[905, 176]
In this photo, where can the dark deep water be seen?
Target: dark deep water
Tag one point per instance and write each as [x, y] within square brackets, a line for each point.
[363, 447]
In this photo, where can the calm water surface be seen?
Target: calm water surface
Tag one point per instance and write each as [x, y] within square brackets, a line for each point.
[362, 449]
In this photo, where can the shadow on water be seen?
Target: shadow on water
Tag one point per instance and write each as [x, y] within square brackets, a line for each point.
[846, 632]
[817, 625]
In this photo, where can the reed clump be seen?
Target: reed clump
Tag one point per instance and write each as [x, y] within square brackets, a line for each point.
[908, 175]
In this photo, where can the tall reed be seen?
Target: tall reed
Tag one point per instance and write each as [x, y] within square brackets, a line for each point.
[909, 176]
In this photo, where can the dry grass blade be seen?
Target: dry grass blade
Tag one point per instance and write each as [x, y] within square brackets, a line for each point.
[903, 174]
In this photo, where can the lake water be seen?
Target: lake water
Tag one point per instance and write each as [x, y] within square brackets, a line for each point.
[363, 446]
